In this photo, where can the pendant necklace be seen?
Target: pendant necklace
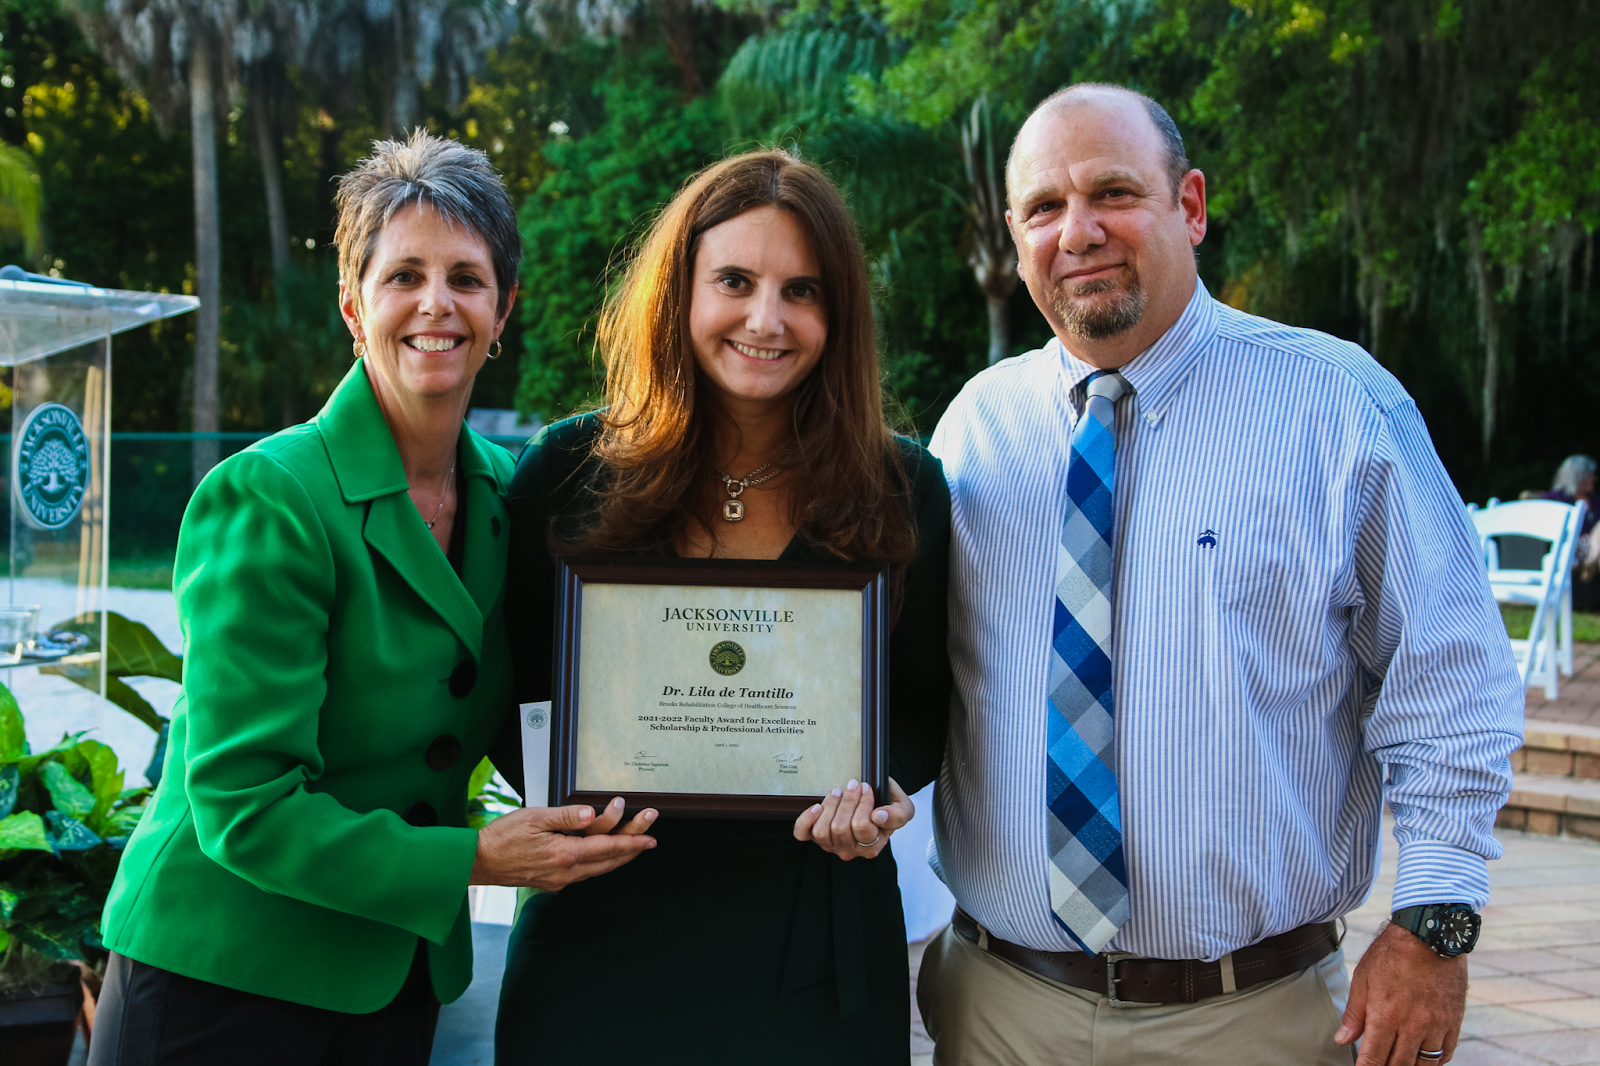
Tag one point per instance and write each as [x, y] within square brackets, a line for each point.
[733, 507]
[443, 490]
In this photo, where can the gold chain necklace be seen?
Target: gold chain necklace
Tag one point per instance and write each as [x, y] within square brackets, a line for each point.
[733, 507]
[443, 491]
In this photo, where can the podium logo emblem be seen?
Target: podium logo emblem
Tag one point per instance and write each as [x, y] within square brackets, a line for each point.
[727, 658]
[51, 470]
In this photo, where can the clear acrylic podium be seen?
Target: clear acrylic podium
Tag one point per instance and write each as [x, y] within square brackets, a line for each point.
[57, 338]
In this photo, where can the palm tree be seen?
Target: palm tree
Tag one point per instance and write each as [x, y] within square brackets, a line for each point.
[180, 52]
[993, 256]
[797, 80]
[413, 42]
[605, 19]
[271, 38]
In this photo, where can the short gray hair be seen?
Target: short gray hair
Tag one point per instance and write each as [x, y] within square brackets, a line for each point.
[1573, 469]
[1177, 160]
[458, 182]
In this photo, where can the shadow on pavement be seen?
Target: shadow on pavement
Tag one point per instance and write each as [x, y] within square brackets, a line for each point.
[466, 1027]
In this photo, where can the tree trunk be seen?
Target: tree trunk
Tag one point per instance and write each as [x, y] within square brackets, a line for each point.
[676, 19]
[208, 252]
[271, 178]
[999, 328]
[1488, 329]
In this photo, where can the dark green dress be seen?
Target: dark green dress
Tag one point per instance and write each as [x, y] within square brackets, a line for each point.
[730, 942]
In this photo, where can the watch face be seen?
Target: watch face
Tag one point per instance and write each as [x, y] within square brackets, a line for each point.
[1452, 930]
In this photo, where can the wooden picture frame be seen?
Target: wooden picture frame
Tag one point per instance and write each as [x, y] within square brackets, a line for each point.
[576, 575]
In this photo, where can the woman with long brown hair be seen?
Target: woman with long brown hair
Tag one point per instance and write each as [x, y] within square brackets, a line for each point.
[744, 419]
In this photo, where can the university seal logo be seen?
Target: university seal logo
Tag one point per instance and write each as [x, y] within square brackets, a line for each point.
[50, 468]
[727, 658]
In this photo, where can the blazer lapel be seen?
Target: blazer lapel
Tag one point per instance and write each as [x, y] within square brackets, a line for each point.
[397, 532]
[367, 464]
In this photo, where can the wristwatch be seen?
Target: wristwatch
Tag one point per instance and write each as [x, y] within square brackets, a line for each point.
[1450, 929]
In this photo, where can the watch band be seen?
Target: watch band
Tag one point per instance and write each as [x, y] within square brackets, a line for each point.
[1428, 924]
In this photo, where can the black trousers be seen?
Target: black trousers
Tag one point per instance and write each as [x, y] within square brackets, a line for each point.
[148, 1016]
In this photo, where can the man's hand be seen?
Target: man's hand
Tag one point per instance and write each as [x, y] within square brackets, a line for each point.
[536, 846]
[1404, 999]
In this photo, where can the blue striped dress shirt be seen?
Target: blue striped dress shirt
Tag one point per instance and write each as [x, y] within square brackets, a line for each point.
[1301, 627]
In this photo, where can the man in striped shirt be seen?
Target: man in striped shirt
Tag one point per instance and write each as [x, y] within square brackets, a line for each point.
[1299, 629]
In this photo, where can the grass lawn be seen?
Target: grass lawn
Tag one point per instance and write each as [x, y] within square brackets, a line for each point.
[157, 574]
[1585, 626]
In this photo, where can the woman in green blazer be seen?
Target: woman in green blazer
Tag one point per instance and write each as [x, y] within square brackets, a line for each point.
[298, 892]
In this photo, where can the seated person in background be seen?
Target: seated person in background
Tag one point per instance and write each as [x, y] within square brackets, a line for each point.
[1574, 481]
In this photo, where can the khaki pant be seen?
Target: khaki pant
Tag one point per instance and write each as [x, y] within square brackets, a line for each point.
[983, 1011]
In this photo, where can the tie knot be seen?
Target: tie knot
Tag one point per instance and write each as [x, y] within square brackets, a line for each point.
[1110, 385]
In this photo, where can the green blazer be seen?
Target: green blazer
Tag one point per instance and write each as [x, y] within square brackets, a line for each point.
[340, 685]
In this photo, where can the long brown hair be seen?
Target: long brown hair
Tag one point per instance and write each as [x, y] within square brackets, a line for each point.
[655, 446]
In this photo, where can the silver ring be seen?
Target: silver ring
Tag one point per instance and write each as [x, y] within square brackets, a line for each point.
[1431, 1056]
[880, 837]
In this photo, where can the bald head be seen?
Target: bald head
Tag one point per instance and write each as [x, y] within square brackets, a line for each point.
[1161, 126]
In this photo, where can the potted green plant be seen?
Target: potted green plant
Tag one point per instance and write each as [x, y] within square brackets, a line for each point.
[64, 818]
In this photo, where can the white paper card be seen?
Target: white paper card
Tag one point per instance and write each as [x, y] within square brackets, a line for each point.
[535, 754]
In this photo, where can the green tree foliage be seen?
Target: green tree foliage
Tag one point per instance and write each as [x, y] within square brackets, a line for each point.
[1415, 175]
[1422, 176]
[802, 85]
[604, 186]
[19, 196]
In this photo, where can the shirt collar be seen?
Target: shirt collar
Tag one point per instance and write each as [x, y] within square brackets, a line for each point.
[1158, 372]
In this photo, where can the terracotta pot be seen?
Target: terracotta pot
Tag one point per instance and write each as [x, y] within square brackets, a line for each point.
[91, 996]
[36, 1027]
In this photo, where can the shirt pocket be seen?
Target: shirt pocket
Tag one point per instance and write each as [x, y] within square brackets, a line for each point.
[1260, 617]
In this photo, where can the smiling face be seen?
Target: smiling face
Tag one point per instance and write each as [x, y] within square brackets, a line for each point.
[756, 312]
[427, 306]
[1105, 248]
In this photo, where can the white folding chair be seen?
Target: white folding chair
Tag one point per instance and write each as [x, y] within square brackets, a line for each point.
[1547, 652]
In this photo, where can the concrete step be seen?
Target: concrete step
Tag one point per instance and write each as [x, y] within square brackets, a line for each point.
[1558, 749]
[1553, 805]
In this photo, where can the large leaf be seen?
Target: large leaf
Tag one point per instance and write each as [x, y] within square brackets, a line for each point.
[125, 821]
[9, 898]
[71, 834]
[131, 651]
[13, 740]
[105, 777]
[9, 777]
[59, 940]
[24, 830]
[158, 758]
[66, 791]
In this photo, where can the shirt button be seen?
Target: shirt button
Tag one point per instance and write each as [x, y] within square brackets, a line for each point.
[421, 814]
[443, 752]
[494, 526]
[463, 678]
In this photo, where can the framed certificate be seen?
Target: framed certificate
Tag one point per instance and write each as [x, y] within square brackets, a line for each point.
[717, 688]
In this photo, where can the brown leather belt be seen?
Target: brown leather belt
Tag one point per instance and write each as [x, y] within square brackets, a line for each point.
[1130, 979]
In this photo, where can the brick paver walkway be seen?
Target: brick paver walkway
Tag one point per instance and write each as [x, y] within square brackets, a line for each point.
[1579, 699]
[1534, 998]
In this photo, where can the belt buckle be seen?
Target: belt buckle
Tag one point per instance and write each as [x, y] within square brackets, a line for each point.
[1112, 958]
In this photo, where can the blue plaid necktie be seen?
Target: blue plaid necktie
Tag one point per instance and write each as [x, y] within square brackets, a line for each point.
[1088, 874]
